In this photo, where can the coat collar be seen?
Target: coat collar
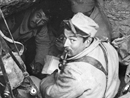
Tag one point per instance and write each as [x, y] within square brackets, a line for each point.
[24, 25]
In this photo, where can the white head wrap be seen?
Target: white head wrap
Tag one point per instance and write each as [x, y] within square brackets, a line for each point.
[85, 24]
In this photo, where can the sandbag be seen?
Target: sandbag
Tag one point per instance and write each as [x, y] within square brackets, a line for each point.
[123, 48]
[14, 73]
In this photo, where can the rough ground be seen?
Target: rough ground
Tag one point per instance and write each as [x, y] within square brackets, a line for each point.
[118, 12]
[12, 6]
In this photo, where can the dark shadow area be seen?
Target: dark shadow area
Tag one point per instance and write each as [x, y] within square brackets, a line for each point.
[122, 70]
[30, 53]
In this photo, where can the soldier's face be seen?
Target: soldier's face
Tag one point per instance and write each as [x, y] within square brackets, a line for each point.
[73, 44]
[38, 19]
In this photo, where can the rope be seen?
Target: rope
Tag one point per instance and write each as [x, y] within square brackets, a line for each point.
[8, 31]
[12, 41]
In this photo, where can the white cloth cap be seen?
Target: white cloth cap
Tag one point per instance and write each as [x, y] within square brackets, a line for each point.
[84, 23]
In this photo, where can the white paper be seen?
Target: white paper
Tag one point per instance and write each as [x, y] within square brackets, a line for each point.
[51, 64]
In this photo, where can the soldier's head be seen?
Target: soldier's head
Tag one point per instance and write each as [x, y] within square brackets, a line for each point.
[39, 15]
[79, 33]
[37, 19]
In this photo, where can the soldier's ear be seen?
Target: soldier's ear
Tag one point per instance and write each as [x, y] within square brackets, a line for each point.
[88, 41]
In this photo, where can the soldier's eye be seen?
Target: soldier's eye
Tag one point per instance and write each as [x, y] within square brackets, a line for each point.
[39, 15]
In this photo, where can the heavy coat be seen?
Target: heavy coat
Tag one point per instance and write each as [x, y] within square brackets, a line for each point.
[80, 79]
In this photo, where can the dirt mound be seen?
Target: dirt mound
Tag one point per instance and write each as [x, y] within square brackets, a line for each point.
[12, 6]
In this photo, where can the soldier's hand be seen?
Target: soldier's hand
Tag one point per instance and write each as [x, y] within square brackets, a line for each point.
[36, 68]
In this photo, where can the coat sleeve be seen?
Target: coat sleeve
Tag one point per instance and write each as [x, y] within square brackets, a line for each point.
[72, 83]
[42, 45]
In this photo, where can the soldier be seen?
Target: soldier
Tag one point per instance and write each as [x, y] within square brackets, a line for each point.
[89, 68]
[31, 23]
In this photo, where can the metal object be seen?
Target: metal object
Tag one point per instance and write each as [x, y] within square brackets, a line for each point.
[63, 60]
[126, 89]
[33, 91]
